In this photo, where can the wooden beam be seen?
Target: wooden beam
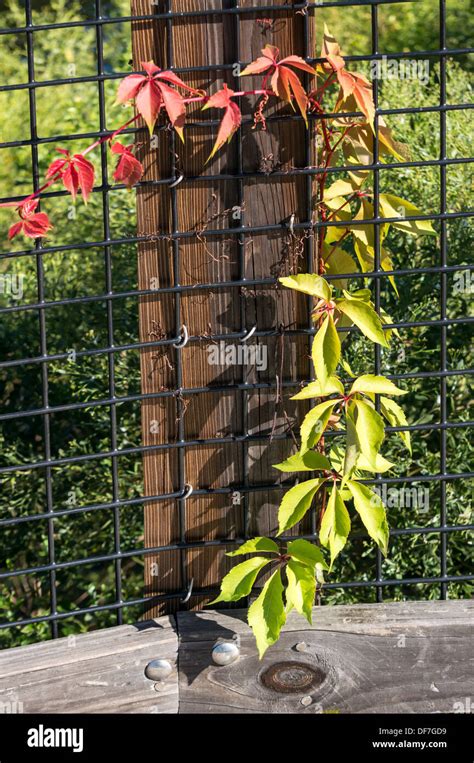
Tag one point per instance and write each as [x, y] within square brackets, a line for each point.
[402, 657]
[196, 205]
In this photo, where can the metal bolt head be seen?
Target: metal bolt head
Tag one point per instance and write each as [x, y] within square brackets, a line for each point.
[306, 700]
[158, 670]
[225, 653]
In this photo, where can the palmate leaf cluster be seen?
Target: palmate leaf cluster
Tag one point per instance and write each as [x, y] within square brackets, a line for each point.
[359, 409]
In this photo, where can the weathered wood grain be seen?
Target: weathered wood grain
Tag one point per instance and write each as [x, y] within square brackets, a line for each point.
[379, 658]
[99, 672]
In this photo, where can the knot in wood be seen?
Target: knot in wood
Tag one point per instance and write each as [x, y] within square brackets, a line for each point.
[292, 677]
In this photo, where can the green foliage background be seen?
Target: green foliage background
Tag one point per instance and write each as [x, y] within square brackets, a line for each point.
[69, 272]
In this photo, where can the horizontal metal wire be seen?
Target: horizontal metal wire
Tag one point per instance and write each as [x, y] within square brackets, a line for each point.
[169, 16]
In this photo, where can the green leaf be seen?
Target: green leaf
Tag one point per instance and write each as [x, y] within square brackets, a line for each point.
[301, 589]
[364, 317]
[314, 424]
[309, 462]
[255, 544]
[308, 283]
[377, 385]
[326, 350]
[381, 464]
[394, 206]
[314, 389]
[338, 261]
[338, 188]
[370, 431]
[396, 418]
[306, 553]
[371, 510]
[348, 369]
[266, 615]
[335, 525]
[296, 503]
[352, 445]
[239, 581]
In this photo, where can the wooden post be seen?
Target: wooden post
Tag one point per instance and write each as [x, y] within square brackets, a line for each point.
[200, 203]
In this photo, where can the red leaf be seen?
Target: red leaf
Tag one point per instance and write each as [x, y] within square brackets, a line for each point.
[150, 67]
[85, 174]
[264, 62]
[148, 102]
[27, 207]
[32, 224]
[129, 87]
[152, 91]
[71, 180]
[175, 107]
[271, 52]
[231, 120]
[298, 62]
[36, 225]
[14, 230]
[293, 83]
[174, 80]
[56, 166]
[129, 170]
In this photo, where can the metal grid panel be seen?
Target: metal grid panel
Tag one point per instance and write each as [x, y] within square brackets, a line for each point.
[240, 231]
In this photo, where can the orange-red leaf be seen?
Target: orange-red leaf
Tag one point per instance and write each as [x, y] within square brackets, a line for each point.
[231, 120]
[32, 224]
[129, 170]
[85, 175]
[175, 107]
[298, 62]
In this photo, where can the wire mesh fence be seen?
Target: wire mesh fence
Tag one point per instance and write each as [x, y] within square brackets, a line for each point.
[40, 367]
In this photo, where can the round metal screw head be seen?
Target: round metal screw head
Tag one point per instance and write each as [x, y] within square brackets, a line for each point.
[306, 700]
[158, 670]
[301, 646]
[225, 653]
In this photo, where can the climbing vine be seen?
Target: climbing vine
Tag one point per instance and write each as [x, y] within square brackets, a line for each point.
[358, 409]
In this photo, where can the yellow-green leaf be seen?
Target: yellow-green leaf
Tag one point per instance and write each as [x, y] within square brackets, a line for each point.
[266, 615]
[239, 581]
[314, 424]
[338, 261]
[256, 544]
[306, 553]
[370, 431]
[308, 283]
[394, 206]
[378, 385]
[326, 350]
[396, 418]
[371, 510]
[314, 389]
[352, 451]
[301, 589]
[308, 462]
[335, 525]
[296, 502]
[365, 318]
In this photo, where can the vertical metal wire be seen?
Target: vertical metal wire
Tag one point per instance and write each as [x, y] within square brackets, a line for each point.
[309, 243]
[377, 257]
[42, 326]
[244, 395]
[178, 324]
[110, 314]
[443, 293]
